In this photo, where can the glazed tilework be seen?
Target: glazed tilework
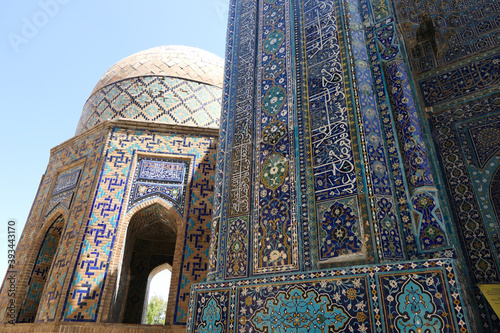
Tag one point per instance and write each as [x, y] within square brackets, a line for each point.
[274, 217]
[467, 79]
[40, 272]
[63, 190]
[398, 297]
[470, 167]
[341, 125]
[157, 177]
[66, 181]
[449, 127]
[91, 149]
[451, 31]
[85, 151]
[385, 223]
[154, 98]
[83, 302]
[233, 193]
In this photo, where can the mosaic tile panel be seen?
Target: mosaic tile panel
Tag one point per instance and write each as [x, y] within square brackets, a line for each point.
[241, 169]
[418, 303]
[237, 256]
[339, 232]
[431, 228]
[480, 255]
[429, 224]
[331, 137]
[89, 150]
[274, 220]
[63, 190]
[212, 311]
[63, 199]
[386, 231]
[480, 139]
[328, 305]
[154, 98]
[333, 167]
[66, 181]
[160, 177]
[469, 78]
[222, 158]
[442, 32]
[85, 151]
[398, 297]
[233, 184]
[40, 272]
[84, 299]
[416, 162]
[401, 205]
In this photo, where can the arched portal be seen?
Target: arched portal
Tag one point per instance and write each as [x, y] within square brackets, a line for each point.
[40, 272]
[150, 242]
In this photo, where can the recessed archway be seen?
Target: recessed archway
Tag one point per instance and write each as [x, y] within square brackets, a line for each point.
[150, 243]
[40, 272]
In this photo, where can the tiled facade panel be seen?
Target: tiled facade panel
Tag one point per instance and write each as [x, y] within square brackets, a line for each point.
[339, 175]
[404, 297]
[84, 152]
[442, 32]
[84, 302]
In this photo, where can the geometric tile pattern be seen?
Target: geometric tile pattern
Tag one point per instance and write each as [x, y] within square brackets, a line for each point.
[398, 297]
[459, 171]
[469, 165]
[154, 98]
[87, 151]
[40, 271]
[446, 31]
[84, 300]
[462, 80]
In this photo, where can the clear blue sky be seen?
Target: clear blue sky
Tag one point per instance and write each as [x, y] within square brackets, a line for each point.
[53, 52]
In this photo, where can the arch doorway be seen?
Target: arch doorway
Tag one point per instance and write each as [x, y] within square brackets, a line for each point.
[40, 271]
[150, 243]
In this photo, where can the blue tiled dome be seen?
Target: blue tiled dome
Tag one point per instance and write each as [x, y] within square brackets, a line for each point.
[167, 84]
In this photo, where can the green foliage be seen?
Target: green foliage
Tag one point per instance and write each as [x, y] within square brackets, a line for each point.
[157, 308]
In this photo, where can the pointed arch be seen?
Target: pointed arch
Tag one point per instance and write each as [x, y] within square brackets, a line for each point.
[45, 247]
[152, 232]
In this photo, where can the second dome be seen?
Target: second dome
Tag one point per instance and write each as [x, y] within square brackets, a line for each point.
[168, 84]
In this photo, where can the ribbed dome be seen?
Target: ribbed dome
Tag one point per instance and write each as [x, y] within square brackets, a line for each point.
[173, 60]
[168, 84]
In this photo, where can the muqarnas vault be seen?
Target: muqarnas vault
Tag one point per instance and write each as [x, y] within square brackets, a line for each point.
[130, 194]
[355, 188]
